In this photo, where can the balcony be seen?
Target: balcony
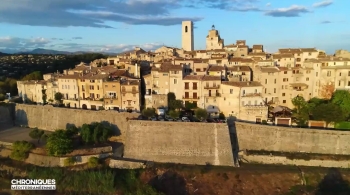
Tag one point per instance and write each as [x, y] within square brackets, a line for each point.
[193, 88]
[213, 95]
[251, 94]
[190, 97]
[130, 91]
[212, 87]
[110, 97]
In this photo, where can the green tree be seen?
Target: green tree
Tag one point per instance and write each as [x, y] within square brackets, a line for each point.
[44, 96]
[175, 104]
[190, 106]
[342, 99]
[314, 102]
[149, 112]
[171, 96]
[86, 134]
[93, 162]
[36, 134]
[201, 113]
[330, 113]
[222, 116]
[58, 97]
[33, 76]
[59, 143]
[300, 113]
[20, 150]
[70, 161]
[174, 114]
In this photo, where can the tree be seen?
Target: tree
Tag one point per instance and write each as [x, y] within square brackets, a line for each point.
[149, 112]
[330, 113]
[327, 90]
[222, 116]
[201, 113]
[59, 143]
[86, 134]
[171, 96]
[95, 133]
[20, 150]
[190, 106]
[300, 111]
[36, 134]
[175, 104]
[58, 97]
[342, 99]
[314, 102]
[174, 114]
[36, 75]
[44, 96]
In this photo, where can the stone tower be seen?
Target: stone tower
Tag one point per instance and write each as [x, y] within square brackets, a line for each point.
[187, 36]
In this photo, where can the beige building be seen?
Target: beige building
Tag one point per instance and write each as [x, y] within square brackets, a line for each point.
[130, 99]
[91, 90]
[243, 100]
[68, 87]
[32, 91]
[187, 36]
[239, 73]
[213, 40]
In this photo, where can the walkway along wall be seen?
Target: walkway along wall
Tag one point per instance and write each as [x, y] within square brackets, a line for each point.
[176, 142]
[284, 139]
[52, 118]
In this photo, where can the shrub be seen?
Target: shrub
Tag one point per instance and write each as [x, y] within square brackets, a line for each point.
[36, 134]
[264, 122]
[59, 143]
[20, 150]
[70, 161]
[93, 162]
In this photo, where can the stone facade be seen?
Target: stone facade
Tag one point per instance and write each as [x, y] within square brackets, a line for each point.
[174, 142]
[52, 118]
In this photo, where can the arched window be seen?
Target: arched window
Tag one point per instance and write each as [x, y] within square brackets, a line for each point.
[186, 28]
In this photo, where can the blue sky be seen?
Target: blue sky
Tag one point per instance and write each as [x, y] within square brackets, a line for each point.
[119, 25]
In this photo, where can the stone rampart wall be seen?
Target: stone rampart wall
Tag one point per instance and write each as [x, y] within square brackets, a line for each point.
[52, 118]
[176, 142]
[284, 139]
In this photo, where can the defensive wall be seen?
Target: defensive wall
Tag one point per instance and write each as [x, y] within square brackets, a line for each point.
[286, 139]
[6, 114]
[176, 142]
[51, 118]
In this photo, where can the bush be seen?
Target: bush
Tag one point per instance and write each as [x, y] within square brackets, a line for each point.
[93, 162]
[59, 143]
[95, 133]
[36, 134]
[20, 150]
[264, 122]
[70, 161]
[342, 125]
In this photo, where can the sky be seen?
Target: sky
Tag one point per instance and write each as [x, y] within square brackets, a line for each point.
[121, 25]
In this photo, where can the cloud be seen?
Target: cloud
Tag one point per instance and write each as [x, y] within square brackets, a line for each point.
[326, 22]
[91, 13]
[20, 43]
[268, 4]
[77, 38]
[323, 4]
[15, 44]
[292, 11]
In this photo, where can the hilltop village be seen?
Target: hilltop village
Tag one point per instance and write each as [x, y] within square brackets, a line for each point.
[235, 79]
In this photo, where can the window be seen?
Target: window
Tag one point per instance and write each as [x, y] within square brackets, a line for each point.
[348, 83]
[285, 72]
[187, 86]
[265, 81]
[274, 90]
[195, 86]
[340, 74]
[284, 101]
[329, 73]
[349, 73]
[307, 78]
[265, 90]
[175, 81]
[339, 83]
[285, 79]
[283, 94]
[186, 29]
[317, 74]
[231, 91]
[275, 81]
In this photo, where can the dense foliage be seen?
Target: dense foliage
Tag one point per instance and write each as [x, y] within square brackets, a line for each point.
[94, 182]
[95, 133]
[36, 134]
[59, 143]
[149, 112]
[70, 161]
[93, 162]
[174, 114]
[36, 75]
[201, 113]
[20, 150]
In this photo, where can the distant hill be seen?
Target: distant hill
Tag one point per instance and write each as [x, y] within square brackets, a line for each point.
[55, 52]
[3, 54]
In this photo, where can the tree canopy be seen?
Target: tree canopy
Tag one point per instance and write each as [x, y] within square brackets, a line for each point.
[201, 113]
[58, 97]
[174, 114]
[59, 143]
[330, 113]
[300, 112]
[149, 112]
[175, 104]
[20, 150]
[36, 75]
[36, 134]
[95, 133]
[342, 99]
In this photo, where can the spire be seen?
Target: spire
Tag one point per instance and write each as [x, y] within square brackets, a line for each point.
[213, 27]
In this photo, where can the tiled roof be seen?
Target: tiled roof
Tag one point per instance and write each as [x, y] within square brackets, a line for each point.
[242, 84]
[269, 69]
[239, 68]
[216, 68]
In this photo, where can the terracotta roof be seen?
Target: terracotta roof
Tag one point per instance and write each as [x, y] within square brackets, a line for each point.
[119, 73]
[74, 76]
[211, 78]
[166, 67]
[237, 59]
[193, 77]
[239, 68]
[257, 54]
[242, 84]
[284, 55]
[269, 69]
[216, 68]
[297, 50]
